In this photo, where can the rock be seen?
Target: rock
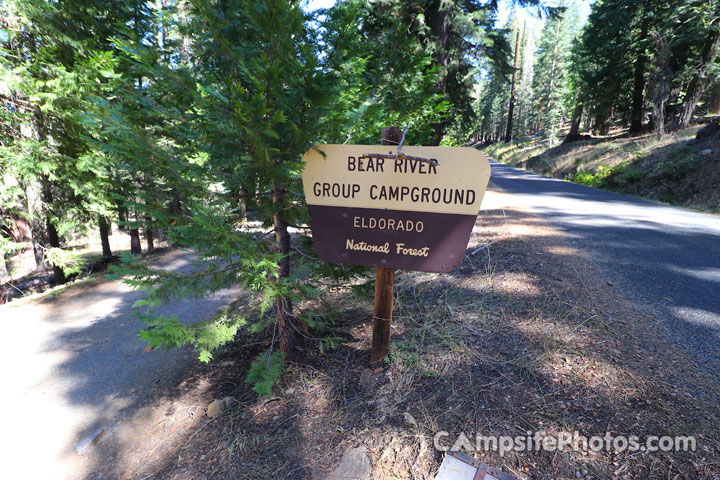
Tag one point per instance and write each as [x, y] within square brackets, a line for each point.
[409, 419]
[708, 130]
[576, 137]
[84, 445]
[355, 465]
[707, 151]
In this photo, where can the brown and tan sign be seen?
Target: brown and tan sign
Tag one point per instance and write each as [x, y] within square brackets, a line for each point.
[394, 212]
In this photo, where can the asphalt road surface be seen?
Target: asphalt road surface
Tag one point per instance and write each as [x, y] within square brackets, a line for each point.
[665, 259]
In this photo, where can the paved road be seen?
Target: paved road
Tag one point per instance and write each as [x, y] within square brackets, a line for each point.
[72, 364]
[664, 258]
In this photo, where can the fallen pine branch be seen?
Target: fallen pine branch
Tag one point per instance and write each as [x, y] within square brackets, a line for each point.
[482, 248]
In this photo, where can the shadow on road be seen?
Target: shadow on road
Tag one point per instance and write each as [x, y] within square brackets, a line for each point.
[665, 258]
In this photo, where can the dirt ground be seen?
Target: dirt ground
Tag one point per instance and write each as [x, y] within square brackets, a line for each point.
[524, 336]
[25, 281]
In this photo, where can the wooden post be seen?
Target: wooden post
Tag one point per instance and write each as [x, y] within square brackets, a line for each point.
[508, 132]
[384, 280]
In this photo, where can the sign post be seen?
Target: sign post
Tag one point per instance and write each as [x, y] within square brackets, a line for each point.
[384, 281]
[378, 206]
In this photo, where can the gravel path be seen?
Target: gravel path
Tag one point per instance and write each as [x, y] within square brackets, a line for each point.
[73, 364]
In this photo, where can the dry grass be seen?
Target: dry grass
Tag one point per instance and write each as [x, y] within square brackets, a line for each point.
[676, 169]
[523, 336]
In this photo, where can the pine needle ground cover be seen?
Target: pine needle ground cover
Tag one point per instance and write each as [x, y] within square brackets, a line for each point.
[523, 336]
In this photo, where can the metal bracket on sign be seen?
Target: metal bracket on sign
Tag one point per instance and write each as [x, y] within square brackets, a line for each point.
[400, 153]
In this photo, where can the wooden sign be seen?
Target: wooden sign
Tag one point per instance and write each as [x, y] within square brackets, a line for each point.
[394, 212]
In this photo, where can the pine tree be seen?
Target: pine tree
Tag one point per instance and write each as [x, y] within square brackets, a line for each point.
[552, 79]
[52, 63]
[703, 19]
[526, 81]
[606, 46]
[227, 138]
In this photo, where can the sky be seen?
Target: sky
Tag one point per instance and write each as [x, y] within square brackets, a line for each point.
[503, 13]
[312, 5]
[530, 14]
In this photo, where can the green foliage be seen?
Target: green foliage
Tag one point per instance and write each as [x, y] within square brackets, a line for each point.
[48, 74]
[168, 332]
[544, 84]
[266, 372]
[403, 356]
[620, 175]
[317, 320]
[8, 247]
[629, 176]
[551, 81]
[225, 138]
[329, 344]
[71, 263]
[681, 162]
[598, 179]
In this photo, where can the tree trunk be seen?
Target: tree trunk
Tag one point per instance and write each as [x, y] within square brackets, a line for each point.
[149, 234]
[576, 119]
[441, 29]
[175, 204]
[54, 241]
[33, 196]
[185, 40]
[508, 130]
[175, 212]
[242, 193]
[552, 77]
[699, 81]
[639, 82]
[4, 270]
[661, 91]
[716, 101]
[104, 236]
[284, 308]
[603, 119]
[135, 247]
[37, 233]
[38, 252]
[122, 218]
[526, 75]
[52, 233]
[53, 237]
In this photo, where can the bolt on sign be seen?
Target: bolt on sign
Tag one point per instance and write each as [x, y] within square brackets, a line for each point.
[413, 211]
